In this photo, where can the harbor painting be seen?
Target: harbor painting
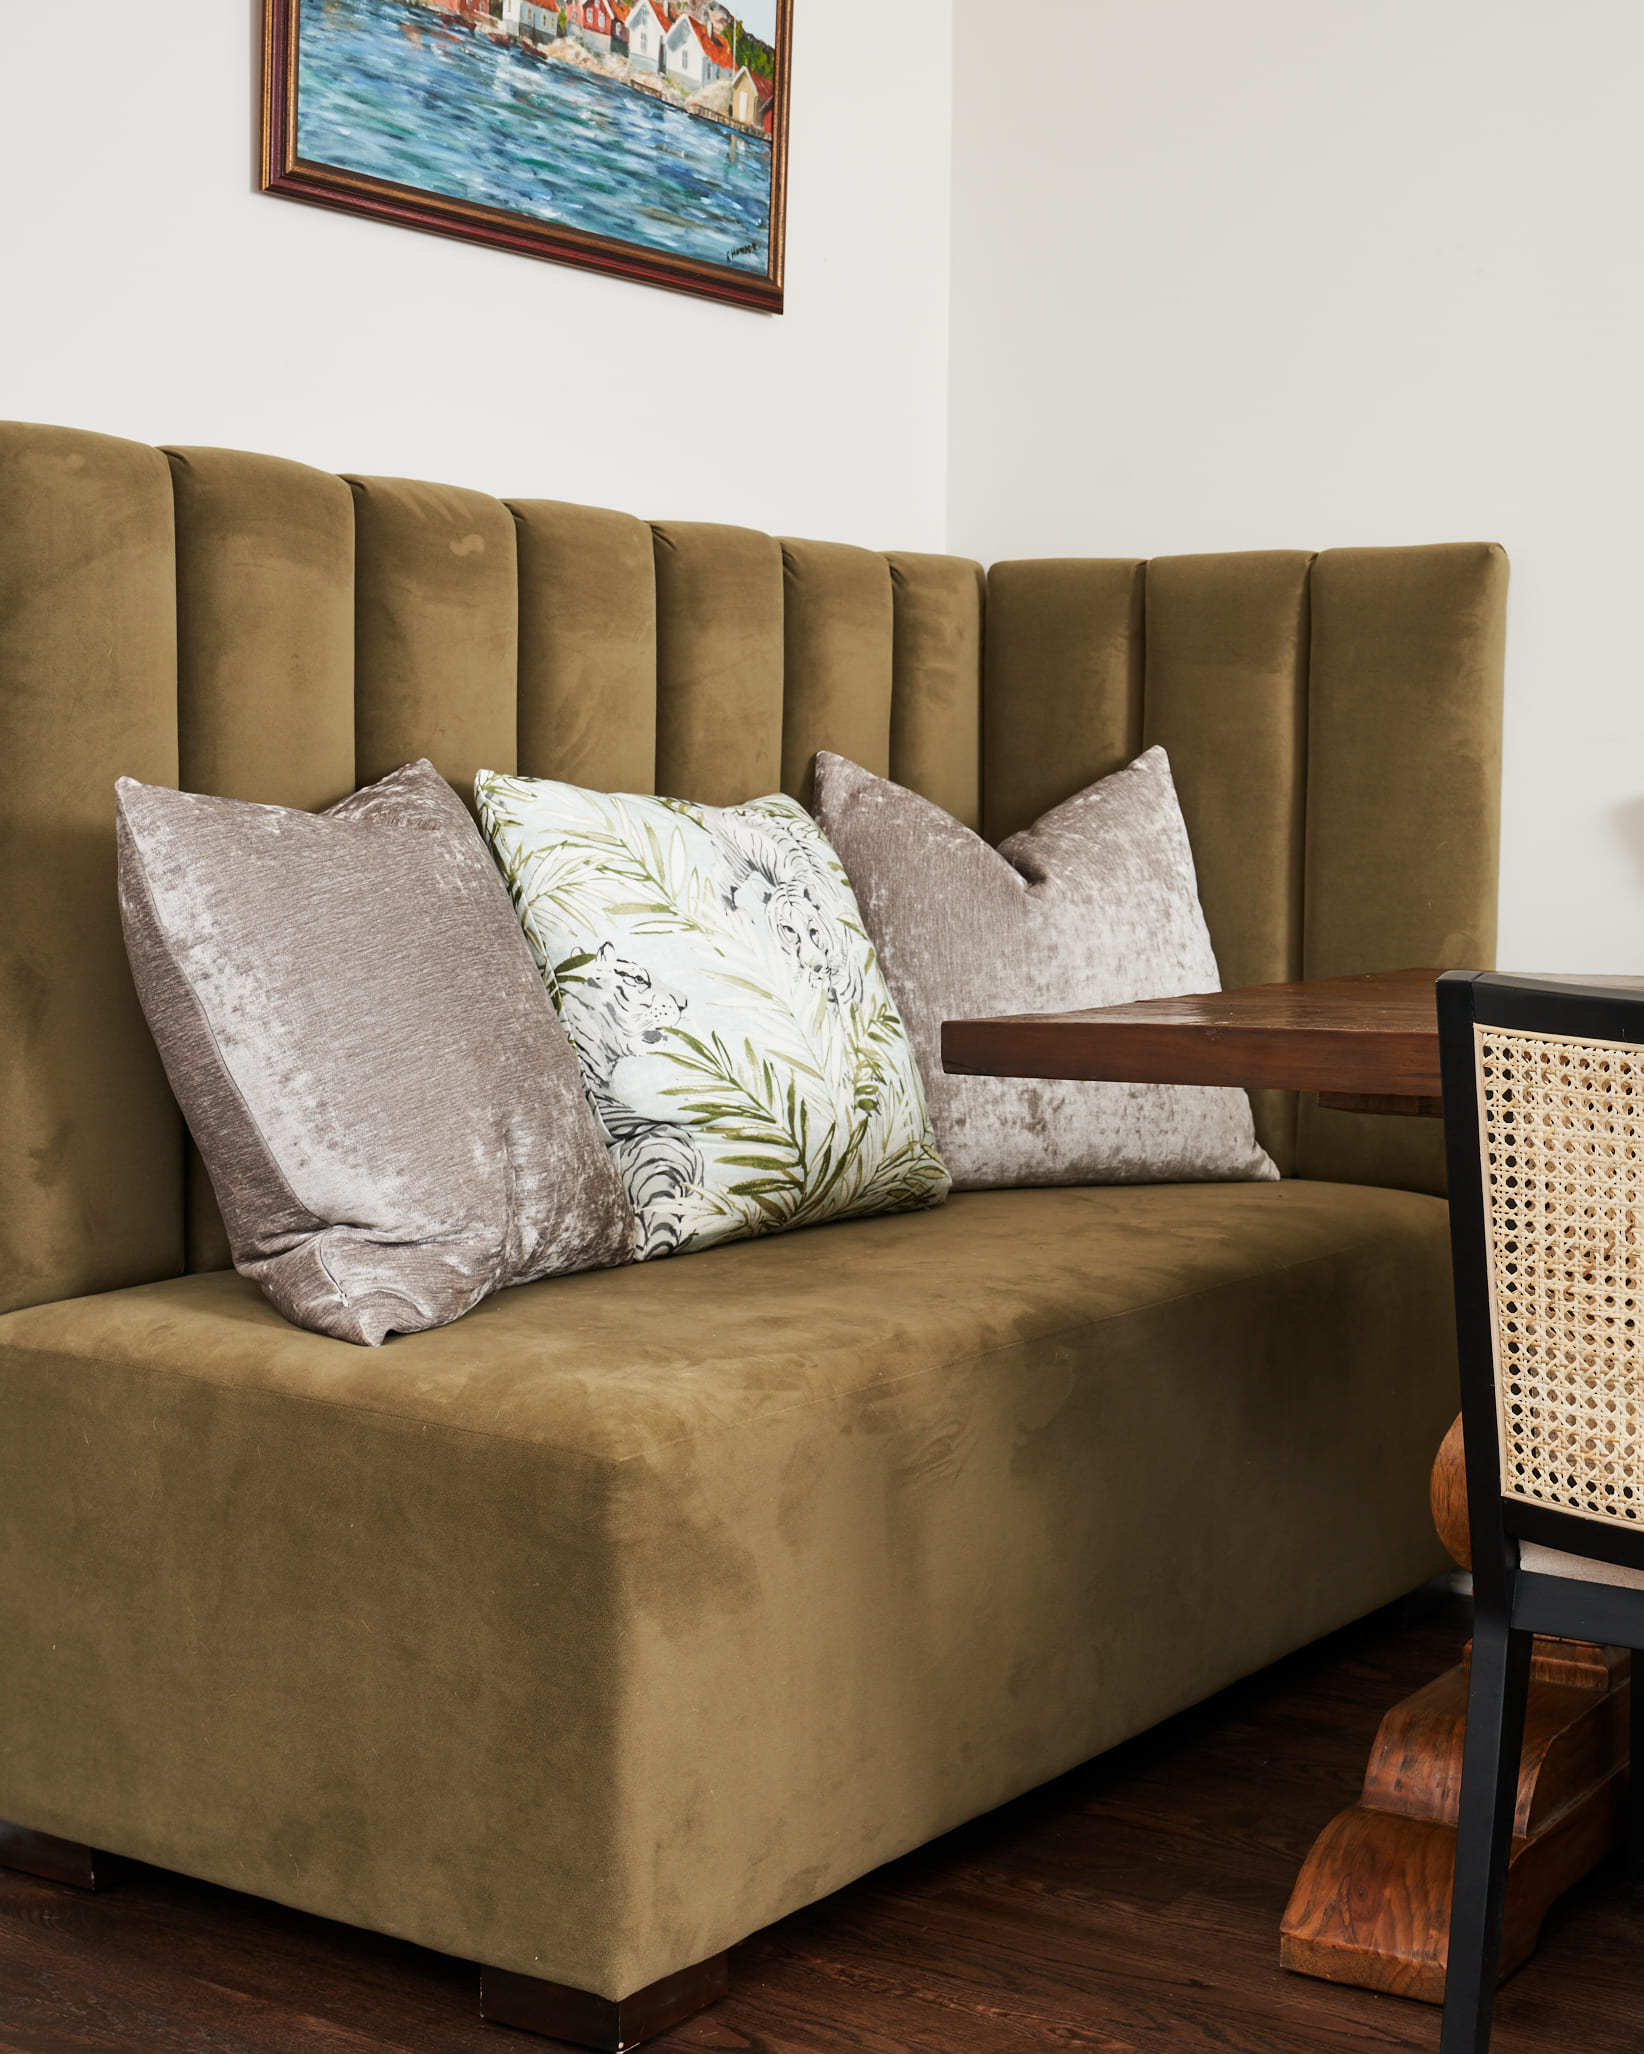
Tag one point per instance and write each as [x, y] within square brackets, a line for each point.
[642, 137]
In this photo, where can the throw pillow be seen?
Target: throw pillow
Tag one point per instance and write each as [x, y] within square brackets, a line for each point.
[738, 1044]
[391, 1115]
[1094, 904]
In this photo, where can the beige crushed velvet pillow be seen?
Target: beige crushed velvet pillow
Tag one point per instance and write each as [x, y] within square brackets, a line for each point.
[1094, 904]
[352, 1023]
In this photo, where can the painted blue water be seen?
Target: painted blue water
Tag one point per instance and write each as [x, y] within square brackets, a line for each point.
[391, 92]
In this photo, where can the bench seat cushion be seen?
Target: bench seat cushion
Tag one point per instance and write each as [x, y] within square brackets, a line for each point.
[595, 1631]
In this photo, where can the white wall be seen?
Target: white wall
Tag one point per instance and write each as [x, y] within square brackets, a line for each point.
[1288, 272]
[148, 289]
[1313, 272]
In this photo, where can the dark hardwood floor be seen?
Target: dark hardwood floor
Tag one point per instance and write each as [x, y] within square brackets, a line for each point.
[1134, 1905]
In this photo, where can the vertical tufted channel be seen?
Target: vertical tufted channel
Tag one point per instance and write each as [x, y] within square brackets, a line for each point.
[1405, 698]
[837, 643]
[936, 689]
[436, 630]
[719, 662]
[91, 1147]
[1226, 697]
[587, 646]
[1062, 702]
[265, 662]
[265, 629]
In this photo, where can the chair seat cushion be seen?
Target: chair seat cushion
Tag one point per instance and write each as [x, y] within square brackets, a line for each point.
[1540, 1561]
[596, 1631]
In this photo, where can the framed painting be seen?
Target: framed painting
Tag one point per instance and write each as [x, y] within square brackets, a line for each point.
[647, 138]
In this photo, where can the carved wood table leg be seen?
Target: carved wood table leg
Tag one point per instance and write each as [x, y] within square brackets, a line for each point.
[1372, 1903]
[610, 2025]
[58, 1861]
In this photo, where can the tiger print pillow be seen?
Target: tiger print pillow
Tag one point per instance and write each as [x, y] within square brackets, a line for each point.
[738, 1044]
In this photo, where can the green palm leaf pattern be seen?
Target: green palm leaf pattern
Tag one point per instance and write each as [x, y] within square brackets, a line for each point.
[736, 1035]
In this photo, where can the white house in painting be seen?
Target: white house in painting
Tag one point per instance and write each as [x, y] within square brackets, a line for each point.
[528, 20]
[692, 58]
[647, 32]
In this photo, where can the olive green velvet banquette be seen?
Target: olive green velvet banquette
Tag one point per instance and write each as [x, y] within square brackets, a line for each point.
[585, 1636]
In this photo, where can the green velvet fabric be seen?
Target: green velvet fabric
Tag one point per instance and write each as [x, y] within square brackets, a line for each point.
[265, 629]
[265, 663]
[1226, 697]
[719, 652]
[1063, 699]
[587, 647]
[91, 1146]
[1404, 800]
[837, 648]
[593, 1632]
[436, 631]
[936, 693]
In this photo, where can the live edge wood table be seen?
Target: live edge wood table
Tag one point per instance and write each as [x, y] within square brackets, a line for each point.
[1372, 1903]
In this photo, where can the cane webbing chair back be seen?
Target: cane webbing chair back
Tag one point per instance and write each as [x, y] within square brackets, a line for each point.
[1544, 1120]
[1562, 1162]
[1544, 1140]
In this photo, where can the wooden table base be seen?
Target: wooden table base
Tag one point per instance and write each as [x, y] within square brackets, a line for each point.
[1372, 1903]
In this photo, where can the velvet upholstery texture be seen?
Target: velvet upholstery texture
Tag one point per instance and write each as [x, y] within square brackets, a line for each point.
[936, 692]
[436, 630]
[91, 1151]
[1226, 697]
[1408, 648]
[838, 652]
[719, 653]
[350, 1019]
[592, 1633]
[587, 646]
[1093, 905]
[1063, 702]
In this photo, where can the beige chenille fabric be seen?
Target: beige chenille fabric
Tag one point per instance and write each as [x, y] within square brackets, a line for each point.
[354, 1028]
[1096, 903]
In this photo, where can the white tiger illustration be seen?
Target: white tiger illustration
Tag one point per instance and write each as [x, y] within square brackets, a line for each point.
[613, 1007]
[793, 887]
[660, 1166]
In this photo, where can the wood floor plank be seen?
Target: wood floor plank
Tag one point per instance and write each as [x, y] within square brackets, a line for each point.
[1132, 1907]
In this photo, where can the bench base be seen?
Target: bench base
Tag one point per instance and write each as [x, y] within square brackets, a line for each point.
[57, 1861]
[536, 2006]
[609, 2025]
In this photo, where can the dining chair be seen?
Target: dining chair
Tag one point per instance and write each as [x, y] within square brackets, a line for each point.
[1544, 1133]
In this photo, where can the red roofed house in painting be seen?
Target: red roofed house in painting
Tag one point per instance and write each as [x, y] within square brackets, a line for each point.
[590, 22]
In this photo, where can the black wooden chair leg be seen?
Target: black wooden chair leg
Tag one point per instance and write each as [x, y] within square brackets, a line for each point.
[1635, 1774]
[608, 2024]
[58, 1861]
[1484, 1831]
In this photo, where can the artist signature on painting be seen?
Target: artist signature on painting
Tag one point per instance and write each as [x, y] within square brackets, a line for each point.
[747, 249]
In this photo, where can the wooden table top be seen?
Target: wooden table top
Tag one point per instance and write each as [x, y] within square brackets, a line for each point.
[1365, 1044]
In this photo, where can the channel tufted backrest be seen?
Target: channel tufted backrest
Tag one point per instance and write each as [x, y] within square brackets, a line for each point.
[1334, 728]
[244, 625]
